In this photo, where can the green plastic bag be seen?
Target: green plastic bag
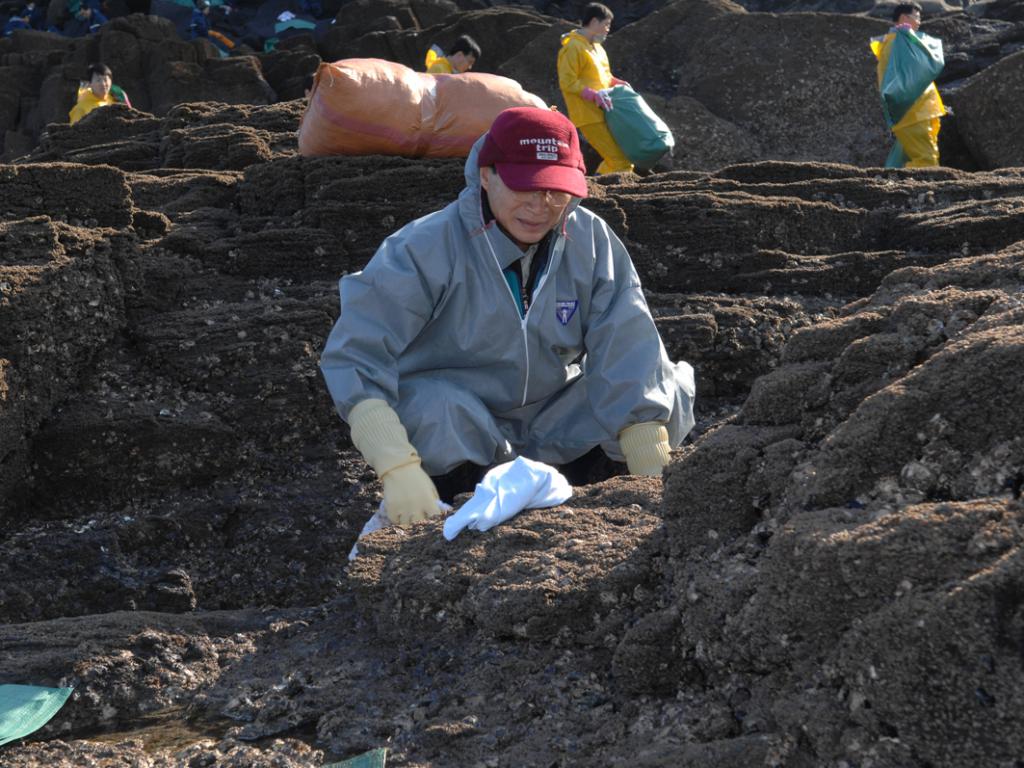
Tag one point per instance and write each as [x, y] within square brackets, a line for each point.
[897, 156]
[375, 758]
[24, 709]
[915, 60]
[641, 134]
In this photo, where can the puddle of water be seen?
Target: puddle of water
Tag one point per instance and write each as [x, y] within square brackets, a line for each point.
[168, 730]
[165, 730]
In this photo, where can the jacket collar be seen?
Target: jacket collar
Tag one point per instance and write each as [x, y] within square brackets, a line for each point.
[577, 35]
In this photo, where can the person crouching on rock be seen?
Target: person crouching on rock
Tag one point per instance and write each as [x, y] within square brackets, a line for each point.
[462, 57]
[510, 323]
[97, 91]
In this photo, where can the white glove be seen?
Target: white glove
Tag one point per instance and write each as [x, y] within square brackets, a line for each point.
[409, 493]
[646, 448]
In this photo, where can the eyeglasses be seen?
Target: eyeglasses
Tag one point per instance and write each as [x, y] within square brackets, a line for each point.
[549, 197]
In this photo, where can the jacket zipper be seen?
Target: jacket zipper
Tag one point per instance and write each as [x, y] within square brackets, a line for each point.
[526, 314]
[519, 311]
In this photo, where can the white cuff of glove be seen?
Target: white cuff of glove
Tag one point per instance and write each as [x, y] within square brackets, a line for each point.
[380, 437]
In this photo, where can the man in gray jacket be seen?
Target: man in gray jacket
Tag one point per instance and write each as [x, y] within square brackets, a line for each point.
[512, 322]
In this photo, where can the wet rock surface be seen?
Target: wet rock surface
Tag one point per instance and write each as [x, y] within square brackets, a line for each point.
[830, 573]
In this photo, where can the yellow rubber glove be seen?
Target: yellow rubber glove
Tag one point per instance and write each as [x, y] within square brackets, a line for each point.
[646, 448]
[409, 493]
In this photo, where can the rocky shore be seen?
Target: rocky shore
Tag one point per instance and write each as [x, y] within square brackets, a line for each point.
[831, 574]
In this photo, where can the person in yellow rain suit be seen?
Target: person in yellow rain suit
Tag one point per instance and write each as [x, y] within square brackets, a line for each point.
[910, 100]
[98, 91]
[583, 76]
[462, 57]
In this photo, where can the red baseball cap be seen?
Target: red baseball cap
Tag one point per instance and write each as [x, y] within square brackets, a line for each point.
[535, 149]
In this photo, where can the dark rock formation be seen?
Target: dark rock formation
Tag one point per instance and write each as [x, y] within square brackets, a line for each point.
[988, 114]
[876, 505]
[62, 289]
[831, 572]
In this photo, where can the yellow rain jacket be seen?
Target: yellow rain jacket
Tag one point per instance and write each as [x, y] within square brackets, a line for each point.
[437, 64]
[87, 102]
[582, 64]
[928, 105]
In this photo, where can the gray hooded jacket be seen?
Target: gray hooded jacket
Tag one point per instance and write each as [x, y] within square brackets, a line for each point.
[432, 327]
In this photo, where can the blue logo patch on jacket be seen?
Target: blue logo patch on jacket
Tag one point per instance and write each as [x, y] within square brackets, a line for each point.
[564, 310]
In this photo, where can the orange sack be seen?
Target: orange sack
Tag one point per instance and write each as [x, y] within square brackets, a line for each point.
[378, 107]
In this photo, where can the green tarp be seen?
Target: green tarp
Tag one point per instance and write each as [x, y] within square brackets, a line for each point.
[373, 759]
[643, 136]
[915, 60]
[25, 709]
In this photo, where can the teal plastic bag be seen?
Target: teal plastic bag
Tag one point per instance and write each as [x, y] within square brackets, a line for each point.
[915, 60]
[375, 758]
[643, 136]
[281, 26]
[24, 709]
[897, 156]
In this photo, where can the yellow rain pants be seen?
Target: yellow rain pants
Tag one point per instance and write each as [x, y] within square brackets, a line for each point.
[601, 139]
[920, 142]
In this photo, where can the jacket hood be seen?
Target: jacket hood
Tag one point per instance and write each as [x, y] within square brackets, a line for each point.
[471, 171]
[577, 35]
